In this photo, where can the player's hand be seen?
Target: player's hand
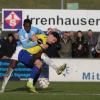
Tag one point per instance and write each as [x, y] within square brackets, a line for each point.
[44, 46]
[79, 47]
[34, 38]
[40, 41]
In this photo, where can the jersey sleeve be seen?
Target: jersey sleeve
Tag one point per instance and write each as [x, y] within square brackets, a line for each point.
[26, 43]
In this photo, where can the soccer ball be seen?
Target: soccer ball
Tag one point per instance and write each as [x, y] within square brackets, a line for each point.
[43, 83]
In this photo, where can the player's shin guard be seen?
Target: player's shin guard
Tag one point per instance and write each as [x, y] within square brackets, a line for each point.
[35, 71]
[36, 77]
[5, 81]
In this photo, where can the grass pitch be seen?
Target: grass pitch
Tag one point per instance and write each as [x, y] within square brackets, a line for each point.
[57, 91]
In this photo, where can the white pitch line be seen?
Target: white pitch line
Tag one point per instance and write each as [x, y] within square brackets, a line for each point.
[66, 94]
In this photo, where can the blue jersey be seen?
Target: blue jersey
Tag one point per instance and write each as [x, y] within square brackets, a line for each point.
[25, 37]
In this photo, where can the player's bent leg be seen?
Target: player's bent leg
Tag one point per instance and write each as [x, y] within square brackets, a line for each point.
[11, 67]
[32, 62]
[39, 64]
[36, 70]
[7, 76]
[50, 62]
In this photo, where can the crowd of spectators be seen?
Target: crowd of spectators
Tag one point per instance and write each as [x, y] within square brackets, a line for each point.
[71, 45]
[76, 45]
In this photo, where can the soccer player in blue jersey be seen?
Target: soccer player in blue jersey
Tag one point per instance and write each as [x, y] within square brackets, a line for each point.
[24, 36]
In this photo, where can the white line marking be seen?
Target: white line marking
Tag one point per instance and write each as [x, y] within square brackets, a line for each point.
[66, 94]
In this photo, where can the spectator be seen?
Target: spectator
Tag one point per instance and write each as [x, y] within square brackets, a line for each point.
[92, 41]
[80, 46]
[97, 47]
[72, 36]
[8, 46]
[66, 45]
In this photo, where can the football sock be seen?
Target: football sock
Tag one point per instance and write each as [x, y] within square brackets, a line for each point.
[33, 74]
[6, 79]
[36, 77]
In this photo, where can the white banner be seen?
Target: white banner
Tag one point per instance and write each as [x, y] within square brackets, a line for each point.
[64, 20]
[80, 70]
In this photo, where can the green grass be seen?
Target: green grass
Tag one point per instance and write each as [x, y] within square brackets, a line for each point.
[32, 4]
[56, 91]
[47, 4]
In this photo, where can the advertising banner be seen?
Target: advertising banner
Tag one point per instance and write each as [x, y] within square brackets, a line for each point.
[70, 20]
[21, 72]
[79, 70]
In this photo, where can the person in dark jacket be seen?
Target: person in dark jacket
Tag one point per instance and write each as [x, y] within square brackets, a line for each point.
[80, 46]
[8, 46]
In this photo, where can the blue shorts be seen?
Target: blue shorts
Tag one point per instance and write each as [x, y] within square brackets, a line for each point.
[26, 58]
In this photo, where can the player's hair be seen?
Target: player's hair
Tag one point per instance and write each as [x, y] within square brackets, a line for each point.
[27, 21]
[89, 30]
[10, 34]
[55, 34]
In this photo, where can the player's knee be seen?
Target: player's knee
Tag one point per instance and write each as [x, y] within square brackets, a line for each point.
[38, 63]
[13, 64]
